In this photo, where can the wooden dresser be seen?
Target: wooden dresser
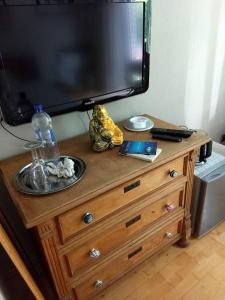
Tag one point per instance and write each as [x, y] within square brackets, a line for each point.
[122, 212]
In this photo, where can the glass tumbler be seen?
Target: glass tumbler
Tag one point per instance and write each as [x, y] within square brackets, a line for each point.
[37, 175]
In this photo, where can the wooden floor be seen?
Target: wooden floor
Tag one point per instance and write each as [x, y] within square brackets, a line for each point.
[193, 273]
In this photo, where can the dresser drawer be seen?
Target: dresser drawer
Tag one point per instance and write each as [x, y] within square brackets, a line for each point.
[83, 216]
[132, 256]
[95, 249]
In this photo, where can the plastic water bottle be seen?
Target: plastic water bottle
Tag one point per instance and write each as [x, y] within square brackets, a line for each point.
[42, 127]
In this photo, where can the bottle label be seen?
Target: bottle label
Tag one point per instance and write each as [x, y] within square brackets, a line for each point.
[38, 134]
[48, 136]
[52, 135]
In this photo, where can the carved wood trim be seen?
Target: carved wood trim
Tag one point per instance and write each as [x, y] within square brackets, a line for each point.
[190, 178]
[45, 232]
[189, 170]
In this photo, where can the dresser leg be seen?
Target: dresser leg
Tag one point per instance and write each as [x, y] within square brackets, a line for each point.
[46, 237]
[185, 233]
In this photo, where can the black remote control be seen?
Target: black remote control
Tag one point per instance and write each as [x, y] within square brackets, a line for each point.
[166, 137]
[173, 132]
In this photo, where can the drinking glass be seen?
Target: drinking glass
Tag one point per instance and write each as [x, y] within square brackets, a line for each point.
[37, 175]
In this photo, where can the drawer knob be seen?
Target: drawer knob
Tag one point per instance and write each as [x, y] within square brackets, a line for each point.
[98, 284]
[173, 173]
[88, 218]
[94, 253]
[168, 235]
[169, 207]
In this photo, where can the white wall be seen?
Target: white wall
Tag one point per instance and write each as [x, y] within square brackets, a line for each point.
[188, 67]
[187, 80]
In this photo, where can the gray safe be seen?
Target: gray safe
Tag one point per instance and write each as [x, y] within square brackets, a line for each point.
[208, 200]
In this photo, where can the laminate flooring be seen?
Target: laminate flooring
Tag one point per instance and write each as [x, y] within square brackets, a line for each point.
[193, 273]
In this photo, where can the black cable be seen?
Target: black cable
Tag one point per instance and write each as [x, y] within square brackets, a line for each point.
[88, 116]
[1, 122]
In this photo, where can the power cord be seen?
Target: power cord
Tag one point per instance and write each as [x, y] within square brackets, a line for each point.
[88, 116]
[14, 135]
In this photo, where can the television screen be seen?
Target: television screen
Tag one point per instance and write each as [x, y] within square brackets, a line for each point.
[69, 56]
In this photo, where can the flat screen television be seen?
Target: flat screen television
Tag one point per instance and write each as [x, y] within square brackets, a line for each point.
[69, 55]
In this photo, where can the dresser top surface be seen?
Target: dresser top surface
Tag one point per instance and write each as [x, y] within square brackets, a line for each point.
[104, 171]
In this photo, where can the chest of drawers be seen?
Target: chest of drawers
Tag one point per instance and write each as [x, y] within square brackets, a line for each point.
[122, 212]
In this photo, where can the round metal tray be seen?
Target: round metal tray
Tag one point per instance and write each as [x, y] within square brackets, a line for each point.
[55, 184]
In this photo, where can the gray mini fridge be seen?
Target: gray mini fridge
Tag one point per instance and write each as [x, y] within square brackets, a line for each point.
[208, 200]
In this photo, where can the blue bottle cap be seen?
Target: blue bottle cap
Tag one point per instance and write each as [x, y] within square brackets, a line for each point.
[38, 107]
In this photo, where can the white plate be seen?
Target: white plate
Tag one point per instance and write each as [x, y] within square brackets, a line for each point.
[138, 123]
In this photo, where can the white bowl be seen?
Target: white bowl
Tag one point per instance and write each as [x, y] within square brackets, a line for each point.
[138, 123]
